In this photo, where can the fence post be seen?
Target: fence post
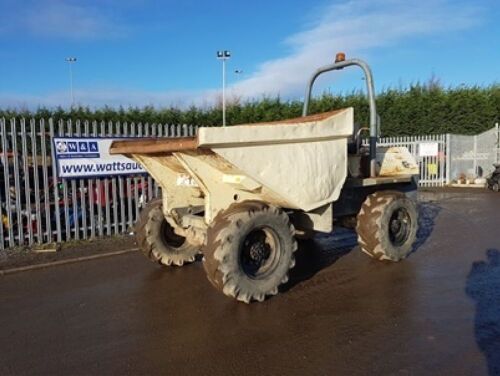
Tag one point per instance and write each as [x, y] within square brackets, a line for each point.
[448, 159]
[27, 180]
[55, 182]
[498, 143]
[17, 183]
[475, 157]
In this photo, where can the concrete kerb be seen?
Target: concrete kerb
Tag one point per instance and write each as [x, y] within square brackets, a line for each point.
[64, 262]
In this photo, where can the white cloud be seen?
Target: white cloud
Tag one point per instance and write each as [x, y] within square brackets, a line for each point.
[354, 26]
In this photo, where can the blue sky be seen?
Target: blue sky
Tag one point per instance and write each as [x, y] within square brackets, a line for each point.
[139, 52]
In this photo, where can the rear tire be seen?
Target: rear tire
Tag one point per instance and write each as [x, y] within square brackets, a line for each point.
[387, 225]
[158, 241]
[249, 251]
[495, 187]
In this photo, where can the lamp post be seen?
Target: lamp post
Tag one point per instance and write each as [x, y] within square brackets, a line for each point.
[223, 55]
[70, 61]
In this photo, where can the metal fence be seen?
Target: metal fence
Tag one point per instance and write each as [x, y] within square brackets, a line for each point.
[37, 207]
[474, 156]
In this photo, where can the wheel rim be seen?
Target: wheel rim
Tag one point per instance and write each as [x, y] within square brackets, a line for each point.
[496, 187]
[169, 237]
[399, 227]
[260, 252]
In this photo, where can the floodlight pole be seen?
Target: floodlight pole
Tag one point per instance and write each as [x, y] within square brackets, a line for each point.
[70, 61]
[223, 55]
[223, 92]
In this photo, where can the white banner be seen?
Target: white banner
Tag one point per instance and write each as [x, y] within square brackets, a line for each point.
[89, 157]
[428, 149]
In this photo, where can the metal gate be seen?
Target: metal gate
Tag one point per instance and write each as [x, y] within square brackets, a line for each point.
[474, 156]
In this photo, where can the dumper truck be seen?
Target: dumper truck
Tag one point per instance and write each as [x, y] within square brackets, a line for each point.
[241, 195]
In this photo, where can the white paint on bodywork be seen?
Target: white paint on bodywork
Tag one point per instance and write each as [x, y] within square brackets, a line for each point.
[208, 171]
[305, 163]
[339, 125]
[166, 169]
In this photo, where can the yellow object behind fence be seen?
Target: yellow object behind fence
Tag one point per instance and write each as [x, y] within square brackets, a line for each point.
[432, 168]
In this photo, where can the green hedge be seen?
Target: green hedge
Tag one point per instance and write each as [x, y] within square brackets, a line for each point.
[420, 109]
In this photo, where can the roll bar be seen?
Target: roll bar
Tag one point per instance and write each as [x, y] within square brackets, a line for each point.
[340, 63]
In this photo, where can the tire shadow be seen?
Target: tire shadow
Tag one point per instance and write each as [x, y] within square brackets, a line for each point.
[318, 253]
[427, 214]
[483, 286]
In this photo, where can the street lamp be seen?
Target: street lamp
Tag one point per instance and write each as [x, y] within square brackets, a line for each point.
[223, 55]
[70, 61]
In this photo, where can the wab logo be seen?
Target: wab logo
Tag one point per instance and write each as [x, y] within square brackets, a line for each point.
[72, 147]
[83, 146]
[93, 147]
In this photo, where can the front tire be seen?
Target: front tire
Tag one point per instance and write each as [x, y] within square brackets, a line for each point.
[158, 241]
[249, 251]
[387, 225]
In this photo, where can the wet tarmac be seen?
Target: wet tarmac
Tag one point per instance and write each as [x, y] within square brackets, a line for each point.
[436, 313]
